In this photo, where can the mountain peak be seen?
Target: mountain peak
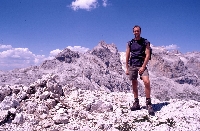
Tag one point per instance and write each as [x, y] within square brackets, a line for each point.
[67, 55]
[103, 45]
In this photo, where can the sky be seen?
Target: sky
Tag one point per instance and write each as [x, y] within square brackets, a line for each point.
[32, 31]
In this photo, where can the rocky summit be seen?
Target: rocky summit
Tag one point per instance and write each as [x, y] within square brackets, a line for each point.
[90, 92]
[97, 68]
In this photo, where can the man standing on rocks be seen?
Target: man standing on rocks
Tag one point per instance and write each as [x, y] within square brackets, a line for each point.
[137, 57]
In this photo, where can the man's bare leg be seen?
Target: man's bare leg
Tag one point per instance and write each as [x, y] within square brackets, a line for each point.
[148, 94]
[147, 86]
[135, 88]
[136, 105]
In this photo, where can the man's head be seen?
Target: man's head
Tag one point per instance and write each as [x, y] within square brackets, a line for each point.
[137, 30]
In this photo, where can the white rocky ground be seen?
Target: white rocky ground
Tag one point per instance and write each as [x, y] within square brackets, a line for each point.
[43, 107]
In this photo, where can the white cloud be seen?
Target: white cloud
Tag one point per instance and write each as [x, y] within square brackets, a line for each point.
[5, 46]
[19, 58]
[86, 4]
[104, 3]
[171, 47]
[78, 48]
[54, 52]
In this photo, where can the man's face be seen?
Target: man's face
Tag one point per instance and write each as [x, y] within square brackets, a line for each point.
[136, 31]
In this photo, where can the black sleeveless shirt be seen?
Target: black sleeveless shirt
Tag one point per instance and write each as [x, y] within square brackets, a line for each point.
[137, 49]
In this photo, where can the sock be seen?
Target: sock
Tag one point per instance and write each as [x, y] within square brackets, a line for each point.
[136, 100]
[148, 100]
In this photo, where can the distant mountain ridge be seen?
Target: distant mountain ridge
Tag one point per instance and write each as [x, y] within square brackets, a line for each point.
[99, 67]
[172, 74]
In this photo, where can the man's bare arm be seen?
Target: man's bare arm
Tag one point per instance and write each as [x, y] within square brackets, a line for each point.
[147, 52]
[127, 56]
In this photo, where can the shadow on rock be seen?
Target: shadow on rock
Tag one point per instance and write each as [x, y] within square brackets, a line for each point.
[158, 106]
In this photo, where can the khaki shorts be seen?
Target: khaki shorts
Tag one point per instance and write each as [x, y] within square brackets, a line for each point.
[133, 72]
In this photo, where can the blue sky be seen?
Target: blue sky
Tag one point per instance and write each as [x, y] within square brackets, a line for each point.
[34, 30]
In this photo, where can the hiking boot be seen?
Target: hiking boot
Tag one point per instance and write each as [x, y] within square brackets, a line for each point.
[135, 106]
[150, 110]
[149, 107]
